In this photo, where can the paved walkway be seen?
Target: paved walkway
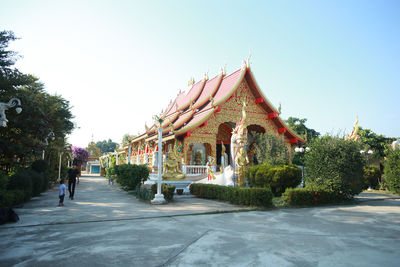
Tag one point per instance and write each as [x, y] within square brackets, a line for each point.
[105, 226]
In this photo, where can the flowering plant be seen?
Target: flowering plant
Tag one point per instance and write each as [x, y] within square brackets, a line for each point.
[80, 155]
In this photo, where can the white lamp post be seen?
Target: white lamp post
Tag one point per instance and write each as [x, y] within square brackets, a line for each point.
[46, 141]
[159, 197]
[301, 150]
[5, 106]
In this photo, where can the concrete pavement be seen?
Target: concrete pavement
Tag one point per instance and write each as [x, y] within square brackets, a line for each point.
[105, 226]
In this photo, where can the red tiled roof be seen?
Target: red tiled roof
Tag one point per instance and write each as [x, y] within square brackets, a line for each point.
[221, 88]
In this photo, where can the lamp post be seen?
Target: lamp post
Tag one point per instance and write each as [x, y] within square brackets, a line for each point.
[301, 150]
[5, 106]
[46, 141]
[159, 197]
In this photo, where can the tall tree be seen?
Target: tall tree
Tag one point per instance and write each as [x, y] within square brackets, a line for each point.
[106, 146]
[299, 126]
[373, 141]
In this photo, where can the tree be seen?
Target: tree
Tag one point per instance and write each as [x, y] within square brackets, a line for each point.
[270, 149]
[106, 146]
[81, 155]
[127, 138]
[10, 77]
[298, 125]
[375, 142]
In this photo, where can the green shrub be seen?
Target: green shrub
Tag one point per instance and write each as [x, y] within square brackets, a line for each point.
[144, 193]
[335, 165]
[3, 180]
[37, 182]
[372, 177]
[270, 149]
[261, 197]
[21, 181]
[311, 196]
[392, 171]
[39, 166]
[10, 198]
[278, 178]
[166, 190]
[131, 175]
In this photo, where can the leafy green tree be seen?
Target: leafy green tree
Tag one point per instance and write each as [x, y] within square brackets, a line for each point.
[371, 140]
[270, 149]
[127, 138]
[299, 126]
[28, 134]
[106, 146]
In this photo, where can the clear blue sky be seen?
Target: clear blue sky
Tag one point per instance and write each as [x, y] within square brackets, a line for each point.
[120, 62]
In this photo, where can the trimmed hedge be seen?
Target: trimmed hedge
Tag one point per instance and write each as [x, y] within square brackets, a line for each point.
[335, 164]
[131, 175]
[392, 171]
[261, 197]
[311, 197]
[11, 198]
[278, 178]
[166, 189]
[21, 181]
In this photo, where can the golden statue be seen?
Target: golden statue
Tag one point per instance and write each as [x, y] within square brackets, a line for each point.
[172, 169]
[241, 162]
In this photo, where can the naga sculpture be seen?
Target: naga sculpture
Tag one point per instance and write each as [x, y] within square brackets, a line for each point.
[353, 136]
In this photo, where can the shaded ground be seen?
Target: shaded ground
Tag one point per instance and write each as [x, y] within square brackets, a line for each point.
[105, 226]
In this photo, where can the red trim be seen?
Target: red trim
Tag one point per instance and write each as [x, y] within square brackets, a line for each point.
[259, 100]
[218, 108]
[293, 140]
[272, 115]
[204, 124]
[282, 130]
[189, 133]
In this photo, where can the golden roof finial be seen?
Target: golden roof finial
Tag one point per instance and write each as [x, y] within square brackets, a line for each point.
[191, 82]
[206, 76]
[248, 59]
[280, 109]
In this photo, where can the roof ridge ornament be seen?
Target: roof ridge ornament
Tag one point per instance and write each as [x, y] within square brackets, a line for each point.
[212, 100]
[191, 82]
[279, 109]
[248, 60]
[223, 70]
[206, 76]
[244, 64]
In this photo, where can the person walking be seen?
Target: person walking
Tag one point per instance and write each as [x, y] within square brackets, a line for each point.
[61, 195]
[72, 174]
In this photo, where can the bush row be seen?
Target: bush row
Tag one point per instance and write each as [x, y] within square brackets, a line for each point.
[235, 195]
[131, 175]
[24, 184]
[278, 178]
[311, 196]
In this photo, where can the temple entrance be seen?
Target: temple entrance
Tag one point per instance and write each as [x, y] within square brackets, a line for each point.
[224, 139]
[252, 130]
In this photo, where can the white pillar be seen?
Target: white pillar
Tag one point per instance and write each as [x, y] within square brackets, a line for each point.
[159, 197]
[59, 167]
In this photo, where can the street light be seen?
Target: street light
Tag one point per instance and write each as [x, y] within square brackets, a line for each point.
[5, 106]
[159, 197]
[46, 141]
[302, 150]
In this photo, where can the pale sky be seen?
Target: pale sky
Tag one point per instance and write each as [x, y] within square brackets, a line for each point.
[121, 62]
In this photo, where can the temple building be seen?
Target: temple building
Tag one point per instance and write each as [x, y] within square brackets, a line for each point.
[201, 120]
